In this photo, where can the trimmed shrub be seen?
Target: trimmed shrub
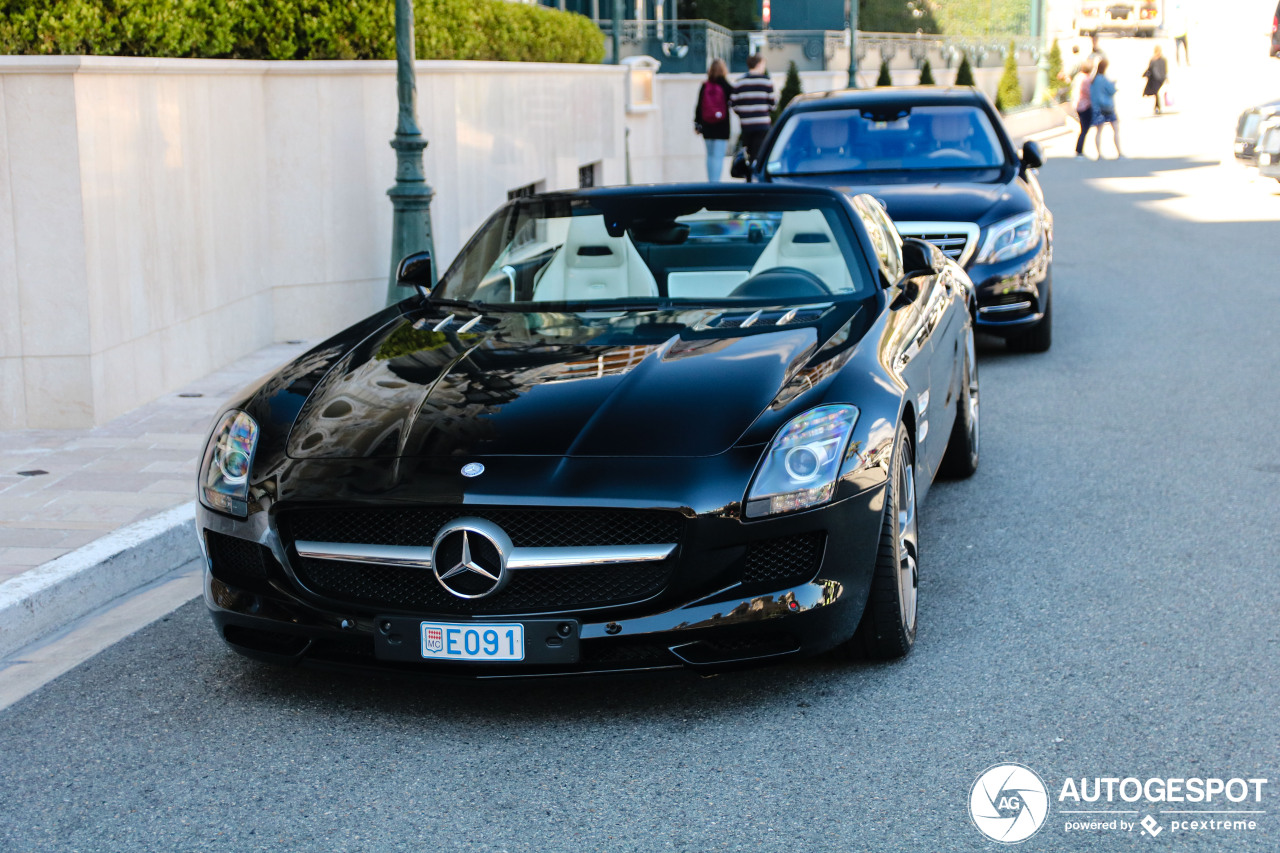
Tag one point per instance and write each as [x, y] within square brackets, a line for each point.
[1010, 90]
[926, 74]
[964, 74]
[790, 88]
[1056, 82]
[885, 78]
[296, 29]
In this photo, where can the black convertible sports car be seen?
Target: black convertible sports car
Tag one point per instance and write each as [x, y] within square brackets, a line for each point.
[942, 164]
[628, 429]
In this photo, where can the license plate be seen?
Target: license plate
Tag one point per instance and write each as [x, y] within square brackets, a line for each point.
[452, 641]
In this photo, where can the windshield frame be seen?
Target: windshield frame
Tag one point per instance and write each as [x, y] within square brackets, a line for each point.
[475, 263]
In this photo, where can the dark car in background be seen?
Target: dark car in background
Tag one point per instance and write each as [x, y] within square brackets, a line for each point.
[943, 165]
[1249, 128]
[633, 428]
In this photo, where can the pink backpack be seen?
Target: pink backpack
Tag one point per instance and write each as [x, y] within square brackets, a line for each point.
[713, 108]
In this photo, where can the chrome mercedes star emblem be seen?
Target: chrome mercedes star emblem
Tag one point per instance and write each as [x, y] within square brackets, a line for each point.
[472, 469]
[469, 557]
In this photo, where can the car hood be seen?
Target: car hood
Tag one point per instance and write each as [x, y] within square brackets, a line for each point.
[936, 200]
[556, 384]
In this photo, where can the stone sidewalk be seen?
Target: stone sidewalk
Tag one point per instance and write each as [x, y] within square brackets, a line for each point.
[66, 494]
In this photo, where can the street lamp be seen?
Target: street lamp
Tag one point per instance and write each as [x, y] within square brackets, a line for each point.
[410, 197]
[853, 44]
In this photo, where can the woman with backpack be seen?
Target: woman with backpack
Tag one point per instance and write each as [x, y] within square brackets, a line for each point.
[711, 116]
[1084, 107]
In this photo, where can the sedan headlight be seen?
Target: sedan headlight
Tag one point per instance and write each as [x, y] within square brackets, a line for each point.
[801, 466]
[224, 474]
[1010, 238]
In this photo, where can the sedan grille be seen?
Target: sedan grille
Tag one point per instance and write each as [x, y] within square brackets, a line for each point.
[528, 591]
[957, 240]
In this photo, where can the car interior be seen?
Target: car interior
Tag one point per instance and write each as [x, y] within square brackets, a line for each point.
[706, 255]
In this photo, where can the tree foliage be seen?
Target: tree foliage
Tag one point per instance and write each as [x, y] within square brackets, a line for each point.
[295, 29]
[734, 14]
[896, 16]
[964, 74]
[885, 78]
[926, 74]
[984, 17]
[790, 88]
[1010, 89]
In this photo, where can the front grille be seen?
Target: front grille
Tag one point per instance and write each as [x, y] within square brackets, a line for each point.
[534, 527]
[529, 590]
[238, 562]
[783, 562]
[955, 239]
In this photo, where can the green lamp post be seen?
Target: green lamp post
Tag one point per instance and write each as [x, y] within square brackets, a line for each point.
[410, 197]
[853, 44]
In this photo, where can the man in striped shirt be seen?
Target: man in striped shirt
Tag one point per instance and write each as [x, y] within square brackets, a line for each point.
[753, 100]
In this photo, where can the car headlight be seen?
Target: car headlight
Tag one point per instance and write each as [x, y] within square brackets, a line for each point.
[801, 466]
[1010, 238]
[224, 474]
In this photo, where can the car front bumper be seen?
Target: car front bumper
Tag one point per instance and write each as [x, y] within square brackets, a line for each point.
[1012, 295]
[720, 606]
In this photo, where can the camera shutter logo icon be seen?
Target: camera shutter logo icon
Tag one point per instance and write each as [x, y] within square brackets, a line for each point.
[1008, 803]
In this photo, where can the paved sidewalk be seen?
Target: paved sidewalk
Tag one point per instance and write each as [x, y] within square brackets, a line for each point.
[61, 490]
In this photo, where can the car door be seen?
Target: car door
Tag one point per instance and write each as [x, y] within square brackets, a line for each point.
[912, 333]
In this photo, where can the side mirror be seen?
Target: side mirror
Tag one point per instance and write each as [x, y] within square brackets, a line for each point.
[917, 258]
[1032, 156]
[415, 271]
[741, 166]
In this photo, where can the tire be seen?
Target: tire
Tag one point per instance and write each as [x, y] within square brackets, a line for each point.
[1039, 337]
[888, 626]
[961, 458]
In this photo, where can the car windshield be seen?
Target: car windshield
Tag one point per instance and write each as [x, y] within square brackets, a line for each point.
[632, 250]
[899, 139]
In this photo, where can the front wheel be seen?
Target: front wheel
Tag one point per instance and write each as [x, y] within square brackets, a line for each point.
[961, 459]
[888, 626]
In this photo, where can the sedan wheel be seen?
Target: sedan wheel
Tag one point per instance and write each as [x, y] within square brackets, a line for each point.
[888, 627]
[961, 459]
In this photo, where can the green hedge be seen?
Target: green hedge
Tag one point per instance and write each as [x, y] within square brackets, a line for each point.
[296, 29]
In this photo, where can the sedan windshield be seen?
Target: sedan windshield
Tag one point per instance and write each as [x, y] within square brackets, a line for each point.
[663, 250]
[908, 139]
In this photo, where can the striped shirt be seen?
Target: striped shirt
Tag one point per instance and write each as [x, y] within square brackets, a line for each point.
[753, 100]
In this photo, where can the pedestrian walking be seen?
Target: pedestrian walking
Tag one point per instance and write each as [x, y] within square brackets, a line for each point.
[753, 101]
[1175, 23]
[1084, 106]
[1157, 72]
[1102, 94]
[711, 116]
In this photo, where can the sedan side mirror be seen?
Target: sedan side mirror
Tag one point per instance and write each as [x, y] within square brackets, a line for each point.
[415, 271]
[917, 258]
[1032, 156]
[741, 166]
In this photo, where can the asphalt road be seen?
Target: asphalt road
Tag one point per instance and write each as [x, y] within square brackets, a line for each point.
[1099, 600]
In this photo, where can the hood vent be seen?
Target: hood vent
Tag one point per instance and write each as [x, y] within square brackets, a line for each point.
[765, 317]
[456, 323]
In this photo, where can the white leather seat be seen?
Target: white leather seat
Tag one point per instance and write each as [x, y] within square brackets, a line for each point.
[592, 265]
[805, 240]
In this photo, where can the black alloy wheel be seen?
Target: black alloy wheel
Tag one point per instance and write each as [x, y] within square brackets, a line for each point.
[961, 459]
[888, 627]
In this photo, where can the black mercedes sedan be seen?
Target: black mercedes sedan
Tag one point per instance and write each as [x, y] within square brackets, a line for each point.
[943, 165]
[635, 428]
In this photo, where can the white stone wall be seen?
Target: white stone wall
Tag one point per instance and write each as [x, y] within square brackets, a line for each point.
[160, 218]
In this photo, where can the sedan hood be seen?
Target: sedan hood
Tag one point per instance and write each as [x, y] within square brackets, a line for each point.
[909, 200]
[627, 383]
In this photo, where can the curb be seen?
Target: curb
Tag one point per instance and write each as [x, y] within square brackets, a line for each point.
[57, 593]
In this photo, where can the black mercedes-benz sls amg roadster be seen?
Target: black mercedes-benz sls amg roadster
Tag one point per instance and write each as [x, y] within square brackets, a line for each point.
[633, 428]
